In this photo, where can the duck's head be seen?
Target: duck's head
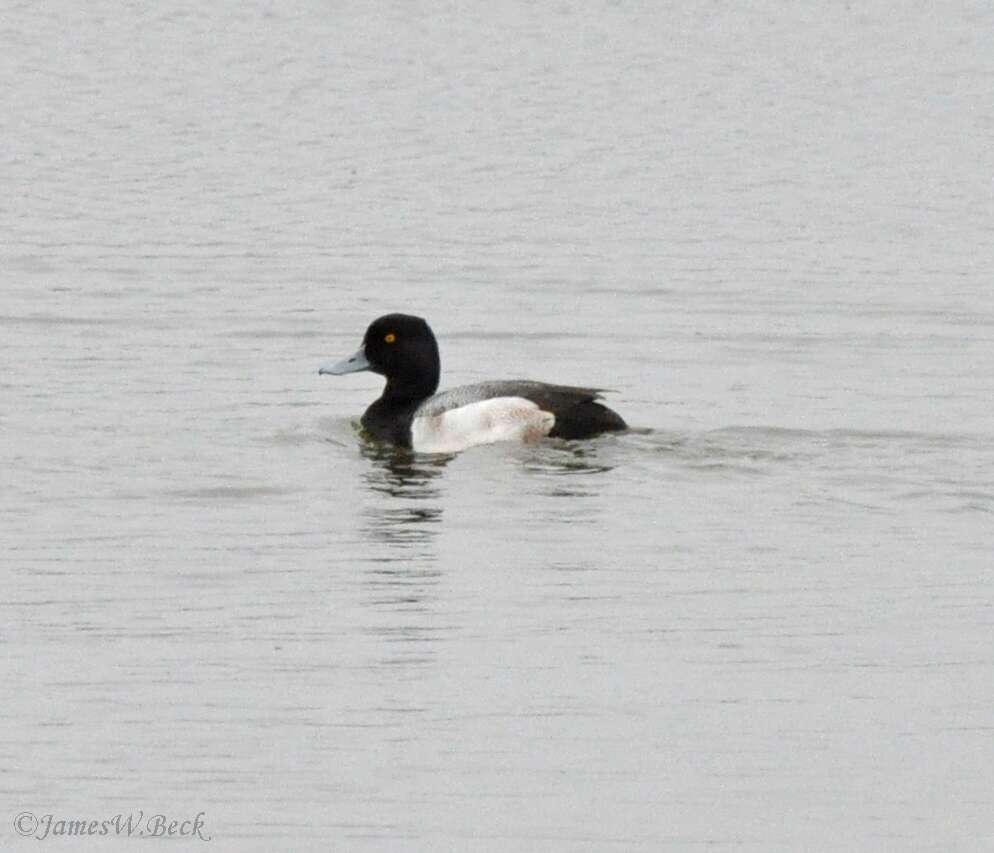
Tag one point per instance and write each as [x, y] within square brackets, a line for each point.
[403, 349]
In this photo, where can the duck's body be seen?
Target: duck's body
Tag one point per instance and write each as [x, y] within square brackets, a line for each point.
[409, 413]
[487, 412]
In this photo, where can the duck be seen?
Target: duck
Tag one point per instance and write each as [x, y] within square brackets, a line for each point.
[410, 414]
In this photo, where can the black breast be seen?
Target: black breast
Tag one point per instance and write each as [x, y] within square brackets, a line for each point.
[390, 422]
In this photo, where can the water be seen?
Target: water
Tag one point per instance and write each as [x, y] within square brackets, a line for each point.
[759, 621]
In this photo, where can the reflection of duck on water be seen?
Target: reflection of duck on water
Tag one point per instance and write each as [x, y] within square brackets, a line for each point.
[407, 506]
[401, 474]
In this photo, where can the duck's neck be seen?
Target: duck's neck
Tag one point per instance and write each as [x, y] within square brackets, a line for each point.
[411, 388]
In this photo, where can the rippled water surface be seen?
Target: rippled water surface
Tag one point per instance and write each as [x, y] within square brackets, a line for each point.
[761, 620]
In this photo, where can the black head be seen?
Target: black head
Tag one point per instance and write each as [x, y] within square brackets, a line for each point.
[403, 349]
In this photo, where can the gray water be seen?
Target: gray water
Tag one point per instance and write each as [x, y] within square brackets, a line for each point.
[762, 620]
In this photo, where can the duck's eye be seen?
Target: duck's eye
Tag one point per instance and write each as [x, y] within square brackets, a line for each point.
[390, 337]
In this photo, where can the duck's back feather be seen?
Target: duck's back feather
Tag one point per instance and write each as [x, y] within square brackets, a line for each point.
[576, 410]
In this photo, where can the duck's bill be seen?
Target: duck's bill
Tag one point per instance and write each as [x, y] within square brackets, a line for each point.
[353, 364]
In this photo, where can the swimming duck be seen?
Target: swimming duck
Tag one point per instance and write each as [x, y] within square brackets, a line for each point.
[410, 414]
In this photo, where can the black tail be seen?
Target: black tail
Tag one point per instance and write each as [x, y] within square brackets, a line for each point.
[584, 419]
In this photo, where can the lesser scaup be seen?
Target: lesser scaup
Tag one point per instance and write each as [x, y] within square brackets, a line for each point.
[409, 413]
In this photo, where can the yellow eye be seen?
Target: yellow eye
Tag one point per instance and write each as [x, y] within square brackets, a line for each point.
[390, 338]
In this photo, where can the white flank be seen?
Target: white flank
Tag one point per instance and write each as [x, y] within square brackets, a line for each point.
[485, 422]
